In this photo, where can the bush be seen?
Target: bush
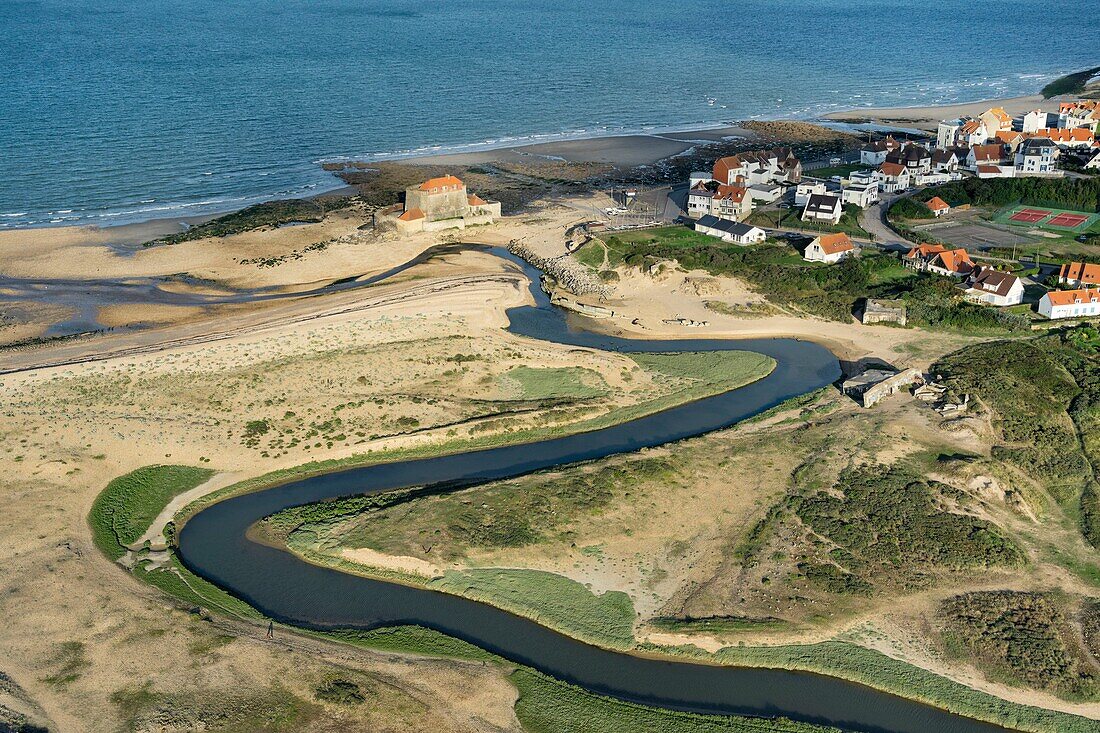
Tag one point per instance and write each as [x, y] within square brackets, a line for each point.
[909, 208]
[1079, 194]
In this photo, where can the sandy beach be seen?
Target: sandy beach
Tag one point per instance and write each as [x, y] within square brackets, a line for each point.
[926, 118]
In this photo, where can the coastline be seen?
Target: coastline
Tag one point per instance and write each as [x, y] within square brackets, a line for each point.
[624, 150]
[926, 117]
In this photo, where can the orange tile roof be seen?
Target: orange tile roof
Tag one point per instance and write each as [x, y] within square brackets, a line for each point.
[832, 243]
[993, 151]
[1069, 297]
[1000, 114]
[412, 214]
[1081, 272]
[937, 204]
[442, 181]
[1061, 135]
[723, 166]
[736, 194]
[924, 250]
[1008, 136]
[989, 169]
[955, 260]
[971, 127]
[475, 200]
[892, 169]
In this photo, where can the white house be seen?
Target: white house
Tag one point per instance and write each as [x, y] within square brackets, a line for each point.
[874, 153]
[806, 189]
[1094, 162]
[1036, 156]
[915, 158]
[892, 177]
[765, 192]
[830, 248]
[996, 120]
[931, 179]
[951, 262]
[993, 287]
[1082, 113]
[1070, 303]
[1079, 274]
[973, 132]
[938, 206]
[945, 161]
[860, 194]
[731, 202]
[758, 166]
[1034, 120]
[730, 231]
[823, 207]
[995, 171]
[992, 154]
[698, 200]
[947, 134]
[862, 177]
[698, 177]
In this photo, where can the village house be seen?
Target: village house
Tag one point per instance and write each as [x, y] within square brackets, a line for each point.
[807, 188]
[951, 262]
[830, 248]
[731, 202]
[862, 177]
[916, 158]
[994, 287]
[1037, 156]
[1080, 137]
[875, 153]
[918, 257]
[699, 198]
[1093, 160]
[945, 161]
[1070, 304]
[1079, 275]
[992, 154]
[963, 132]
[765, 192]
[1080, 114]
[1034, 120]
[860, 194]
[996, 120]
[995, 171]
[730, 231]
[758, 167]
[1010, 139]
[438, 203]
[931, 179]
[938, 206]
[823, 207]
[892, 177]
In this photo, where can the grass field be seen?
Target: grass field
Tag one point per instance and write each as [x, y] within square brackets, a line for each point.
[835, 170]
[130, 503]
[553, 600]
[791, 219]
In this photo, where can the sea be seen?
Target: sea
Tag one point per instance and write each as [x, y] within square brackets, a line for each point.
[114, 111]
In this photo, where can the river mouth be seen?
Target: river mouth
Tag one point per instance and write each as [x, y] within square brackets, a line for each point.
[214, 543]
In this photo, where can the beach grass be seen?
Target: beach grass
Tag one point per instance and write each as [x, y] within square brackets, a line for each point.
[125, 509]
[546, 705]
[553, 600]
[545, 383]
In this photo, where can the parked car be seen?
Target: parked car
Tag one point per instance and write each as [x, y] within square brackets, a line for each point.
[834, 161]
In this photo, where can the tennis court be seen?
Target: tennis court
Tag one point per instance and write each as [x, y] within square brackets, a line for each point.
[1068, 221]
[1064, 220]
[1030, 216]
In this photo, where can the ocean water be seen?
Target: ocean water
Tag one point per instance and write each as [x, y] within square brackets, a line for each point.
[120, 110]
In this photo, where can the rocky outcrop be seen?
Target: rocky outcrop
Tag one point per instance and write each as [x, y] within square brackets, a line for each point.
[566, 272]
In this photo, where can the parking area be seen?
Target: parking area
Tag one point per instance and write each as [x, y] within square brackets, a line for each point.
[965, 233]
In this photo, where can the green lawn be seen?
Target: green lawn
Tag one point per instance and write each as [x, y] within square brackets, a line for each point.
[554, 383]
[791, 219]
[130, 503]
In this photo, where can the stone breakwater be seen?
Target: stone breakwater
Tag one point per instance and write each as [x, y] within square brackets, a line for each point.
[564, 270]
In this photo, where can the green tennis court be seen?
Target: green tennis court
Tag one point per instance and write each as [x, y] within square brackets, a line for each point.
[1064, 220]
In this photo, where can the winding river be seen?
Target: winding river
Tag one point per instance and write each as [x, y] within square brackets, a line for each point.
[214, 545]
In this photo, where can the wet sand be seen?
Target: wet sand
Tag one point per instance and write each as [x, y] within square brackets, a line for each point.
[926, 118]
[622, 151]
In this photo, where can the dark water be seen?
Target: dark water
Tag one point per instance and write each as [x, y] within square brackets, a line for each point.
[123, 110]
[214, 545]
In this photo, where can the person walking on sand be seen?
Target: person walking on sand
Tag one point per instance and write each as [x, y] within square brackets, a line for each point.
[270, 629]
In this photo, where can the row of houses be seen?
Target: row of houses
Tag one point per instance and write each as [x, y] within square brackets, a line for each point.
[737, 182]
[996, 145]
